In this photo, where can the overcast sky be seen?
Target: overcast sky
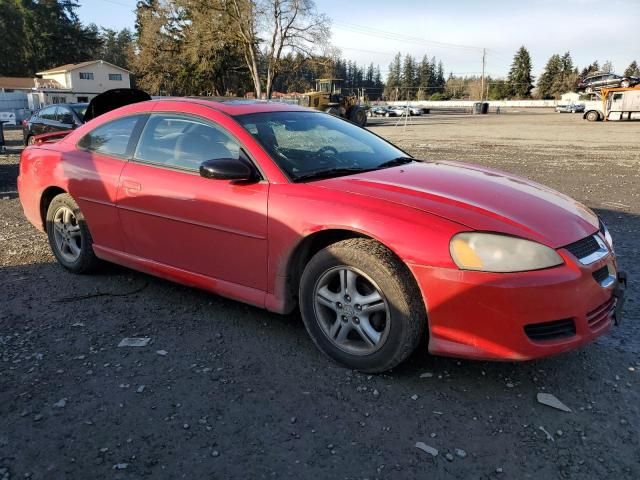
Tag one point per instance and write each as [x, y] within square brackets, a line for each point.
[455, 31]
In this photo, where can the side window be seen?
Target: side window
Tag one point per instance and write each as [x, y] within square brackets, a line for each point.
[64, 115]
[48, 113]
[183, 142]
[111, 138]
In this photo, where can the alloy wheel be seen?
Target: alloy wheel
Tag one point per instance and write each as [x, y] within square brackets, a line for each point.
[351, 310]
[67, 234]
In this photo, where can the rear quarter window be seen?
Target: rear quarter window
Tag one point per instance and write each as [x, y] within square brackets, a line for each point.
[112, 138]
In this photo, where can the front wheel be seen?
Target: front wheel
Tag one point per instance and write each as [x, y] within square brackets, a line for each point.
[361, 305]
[592, 116]
[625, 84]
[69, 236]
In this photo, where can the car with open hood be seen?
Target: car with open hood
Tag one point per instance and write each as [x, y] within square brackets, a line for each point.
[283, 207]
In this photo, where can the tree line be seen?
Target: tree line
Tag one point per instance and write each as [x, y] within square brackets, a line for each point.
[410, 79]
[234, 47]
[37, 35]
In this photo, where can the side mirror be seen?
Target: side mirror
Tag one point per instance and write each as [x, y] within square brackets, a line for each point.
[237, 170]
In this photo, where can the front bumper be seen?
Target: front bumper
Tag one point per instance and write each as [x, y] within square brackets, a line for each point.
[481, 315]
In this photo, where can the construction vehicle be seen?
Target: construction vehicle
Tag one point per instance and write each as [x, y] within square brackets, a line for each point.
[615, 104]
[329, 97]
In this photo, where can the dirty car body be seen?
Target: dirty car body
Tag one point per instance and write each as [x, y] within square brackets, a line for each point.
[500, 267]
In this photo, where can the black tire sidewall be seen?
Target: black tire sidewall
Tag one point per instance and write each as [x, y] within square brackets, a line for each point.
[394, 349]
[87, 259]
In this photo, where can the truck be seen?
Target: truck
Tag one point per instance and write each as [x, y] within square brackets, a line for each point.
[615, 104]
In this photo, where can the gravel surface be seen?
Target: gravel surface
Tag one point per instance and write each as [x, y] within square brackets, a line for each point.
[224, 390]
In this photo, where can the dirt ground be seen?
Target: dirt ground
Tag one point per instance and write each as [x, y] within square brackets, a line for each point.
[236, 392]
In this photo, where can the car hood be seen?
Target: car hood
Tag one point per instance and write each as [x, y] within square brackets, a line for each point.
[478, 198]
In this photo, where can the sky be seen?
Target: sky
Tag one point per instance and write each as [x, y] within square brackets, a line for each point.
[456, 31]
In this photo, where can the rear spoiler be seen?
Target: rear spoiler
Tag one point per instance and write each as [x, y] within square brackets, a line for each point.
[51, 137]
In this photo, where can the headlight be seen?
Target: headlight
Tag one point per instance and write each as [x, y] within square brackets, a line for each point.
[490, 252]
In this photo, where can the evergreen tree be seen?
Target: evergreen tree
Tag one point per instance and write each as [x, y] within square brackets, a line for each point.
[408, 77]
[548, 78]
[520, 78]
[38, 35]
[117, 47]
[394, 75]
[593, 68]
[425, 79]
[632, 70]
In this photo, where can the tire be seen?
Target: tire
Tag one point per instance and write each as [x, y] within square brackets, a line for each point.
[625, 84]
[588, 90]
[30, 140]
[358, 116]
[72, 231]
[387, 114]
[398, 320]
[592, 116]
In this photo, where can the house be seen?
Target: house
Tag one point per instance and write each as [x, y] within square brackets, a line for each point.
[570, 97]
[72, 83]
[79, 82]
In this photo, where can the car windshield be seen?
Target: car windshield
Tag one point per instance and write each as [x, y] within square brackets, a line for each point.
[80, 110]
[313, 145]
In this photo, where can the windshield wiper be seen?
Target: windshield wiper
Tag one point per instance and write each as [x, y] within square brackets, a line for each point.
[395, 162]
[332, 172]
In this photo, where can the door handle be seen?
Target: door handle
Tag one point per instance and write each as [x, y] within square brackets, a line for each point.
[131, 188]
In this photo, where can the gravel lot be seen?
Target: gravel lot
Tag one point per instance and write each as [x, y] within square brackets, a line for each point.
[225, 390]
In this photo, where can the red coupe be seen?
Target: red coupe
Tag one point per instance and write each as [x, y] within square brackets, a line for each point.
[278, 206]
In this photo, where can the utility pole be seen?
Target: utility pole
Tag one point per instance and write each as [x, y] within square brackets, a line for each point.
[484, 53]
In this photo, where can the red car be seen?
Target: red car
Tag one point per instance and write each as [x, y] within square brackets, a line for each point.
[278, 206]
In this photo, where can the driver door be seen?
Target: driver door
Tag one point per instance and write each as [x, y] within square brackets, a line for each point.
[173, 216]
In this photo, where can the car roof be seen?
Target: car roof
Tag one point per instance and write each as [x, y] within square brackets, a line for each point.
[237, 106]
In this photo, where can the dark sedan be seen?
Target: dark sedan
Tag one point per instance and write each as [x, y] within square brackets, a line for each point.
[595, 82]
[54, 118]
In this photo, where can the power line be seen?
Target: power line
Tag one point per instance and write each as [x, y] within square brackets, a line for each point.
[376, 32]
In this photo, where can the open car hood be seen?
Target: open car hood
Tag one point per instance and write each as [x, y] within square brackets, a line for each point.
[112, 99]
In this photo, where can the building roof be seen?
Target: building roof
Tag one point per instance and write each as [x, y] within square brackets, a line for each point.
[17, 83]
[74, 66]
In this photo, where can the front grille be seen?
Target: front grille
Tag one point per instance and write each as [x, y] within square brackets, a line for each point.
[583, 248]
[551, 330]
[600, 316]
[601, 274]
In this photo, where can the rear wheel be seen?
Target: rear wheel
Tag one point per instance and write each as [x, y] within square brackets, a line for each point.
[625, 84]
[69, 236]
[592, 116]
[361, 305]
[358, 116]
[31, 140]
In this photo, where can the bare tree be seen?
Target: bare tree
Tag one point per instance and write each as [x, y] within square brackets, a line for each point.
[292, 25]
[267, 29]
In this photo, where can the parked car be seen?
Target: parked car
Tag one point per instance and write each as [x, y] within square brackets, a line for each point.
[413, 110]
[595, 82]
[54, 118]
[395, 111]
[377, 111]
[381, 251]
[570, 108]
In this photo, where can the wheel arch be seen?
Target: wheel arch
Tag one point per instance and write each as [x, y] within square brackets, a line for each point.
[47, 196]
[311, 244]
